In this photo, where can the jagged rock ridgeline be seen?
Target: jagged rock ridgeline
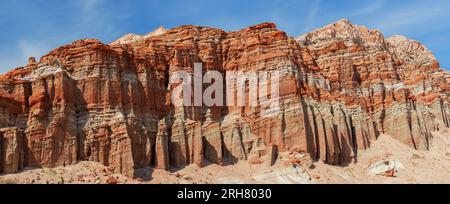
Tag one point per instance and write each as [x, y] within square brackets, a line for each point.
[131, 37]
[345, 85]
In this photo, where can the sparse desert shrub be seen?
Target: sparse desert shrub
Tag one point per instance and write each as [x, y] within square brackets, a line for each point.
[416, 156]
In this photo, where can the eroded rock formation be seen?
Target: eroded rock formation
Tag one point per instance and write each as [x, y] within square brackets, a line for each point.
[340, 87]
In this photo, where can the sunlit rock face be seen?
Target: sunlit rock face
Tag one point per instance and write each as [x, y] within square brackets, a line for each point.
[340, 87]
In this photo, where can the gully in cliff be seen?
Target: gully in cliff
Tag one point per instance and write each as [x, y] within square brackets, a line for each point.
[261, 85]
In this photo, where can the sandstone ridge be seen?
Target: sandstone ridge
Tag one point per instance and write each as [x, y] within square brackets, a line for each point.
[345, 86]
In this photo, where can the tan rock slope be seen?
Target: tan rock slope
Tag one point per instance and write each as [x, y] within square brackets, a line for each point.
[344, 86]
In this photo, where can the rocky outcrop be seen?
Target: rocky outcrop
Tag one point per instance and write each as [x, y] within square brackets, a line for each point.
[11, 150]
[131, 37]
[340, 87]
[388, 85]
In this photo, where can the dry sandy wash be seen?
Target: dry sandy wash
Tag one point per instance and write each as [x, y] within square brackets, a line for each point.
[410, 167]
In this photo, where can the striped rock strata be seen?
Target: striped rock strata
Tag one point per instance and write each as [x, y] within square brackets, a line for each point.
[341, 87]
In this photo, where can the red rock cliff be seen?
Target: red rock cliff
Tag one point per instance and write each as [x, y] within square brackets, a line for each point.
[343, 85]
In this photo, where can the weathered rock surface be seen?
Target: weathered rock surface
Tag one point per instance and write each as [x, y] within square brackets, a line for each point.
[131, 37]
[11, 150]
[340, 86]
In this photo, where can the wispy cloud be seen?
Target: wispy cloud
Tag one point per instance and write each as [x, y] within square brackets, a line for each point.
[403, 19]
[28, 49]
[33, 29]
[37, 30]
[312, 15]
[94, 18]
[90, 5]
[370, 8]
[19, 54]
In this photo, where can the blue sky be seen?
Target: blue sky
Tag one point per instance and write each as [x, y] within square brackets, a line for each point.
[33, 28]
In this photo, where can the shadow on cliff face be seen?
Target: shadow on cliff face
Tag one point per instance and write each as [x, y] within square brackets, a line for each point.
[143, 132]
[310, 148]
[144, 173]
[342, 147]
[82, 116]
[228, 158]
[211, 153]
[2, 156]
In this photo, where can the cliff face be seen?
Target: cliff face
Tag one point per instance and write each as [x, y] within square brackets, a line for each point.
[374, 85]
[341, 87]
